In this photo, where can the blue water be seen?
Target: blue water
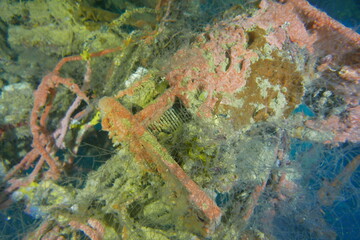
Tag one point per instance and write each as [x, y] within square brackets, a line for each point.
[344, 216]
[345, 11]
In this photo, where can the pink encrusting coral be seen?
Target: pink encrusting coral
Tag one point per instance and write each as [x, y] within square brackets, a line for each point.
[283, 22]
[305, 25]
[324, 38]
[243, 70]
[230, 69]
[218, 62]
[43, 145]
[344, 128]
[123, 126]
[351, 73]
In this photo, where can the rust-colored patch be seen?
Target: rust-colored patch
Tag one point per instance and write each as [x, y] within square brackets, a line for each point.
[282, 76]
[256, 39]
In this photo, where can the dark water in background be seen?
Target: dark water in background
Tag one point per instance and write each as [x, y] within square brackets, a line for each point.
[345, 11]
[344, 216]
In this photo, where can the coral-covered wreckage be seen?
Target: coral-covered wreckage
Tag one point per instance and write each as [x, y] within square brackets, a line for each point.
[199, 138]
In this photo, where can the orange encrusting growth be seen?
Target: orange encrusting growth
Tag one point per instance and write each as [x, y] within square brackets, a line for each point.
[43, 142]
[123, 126]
